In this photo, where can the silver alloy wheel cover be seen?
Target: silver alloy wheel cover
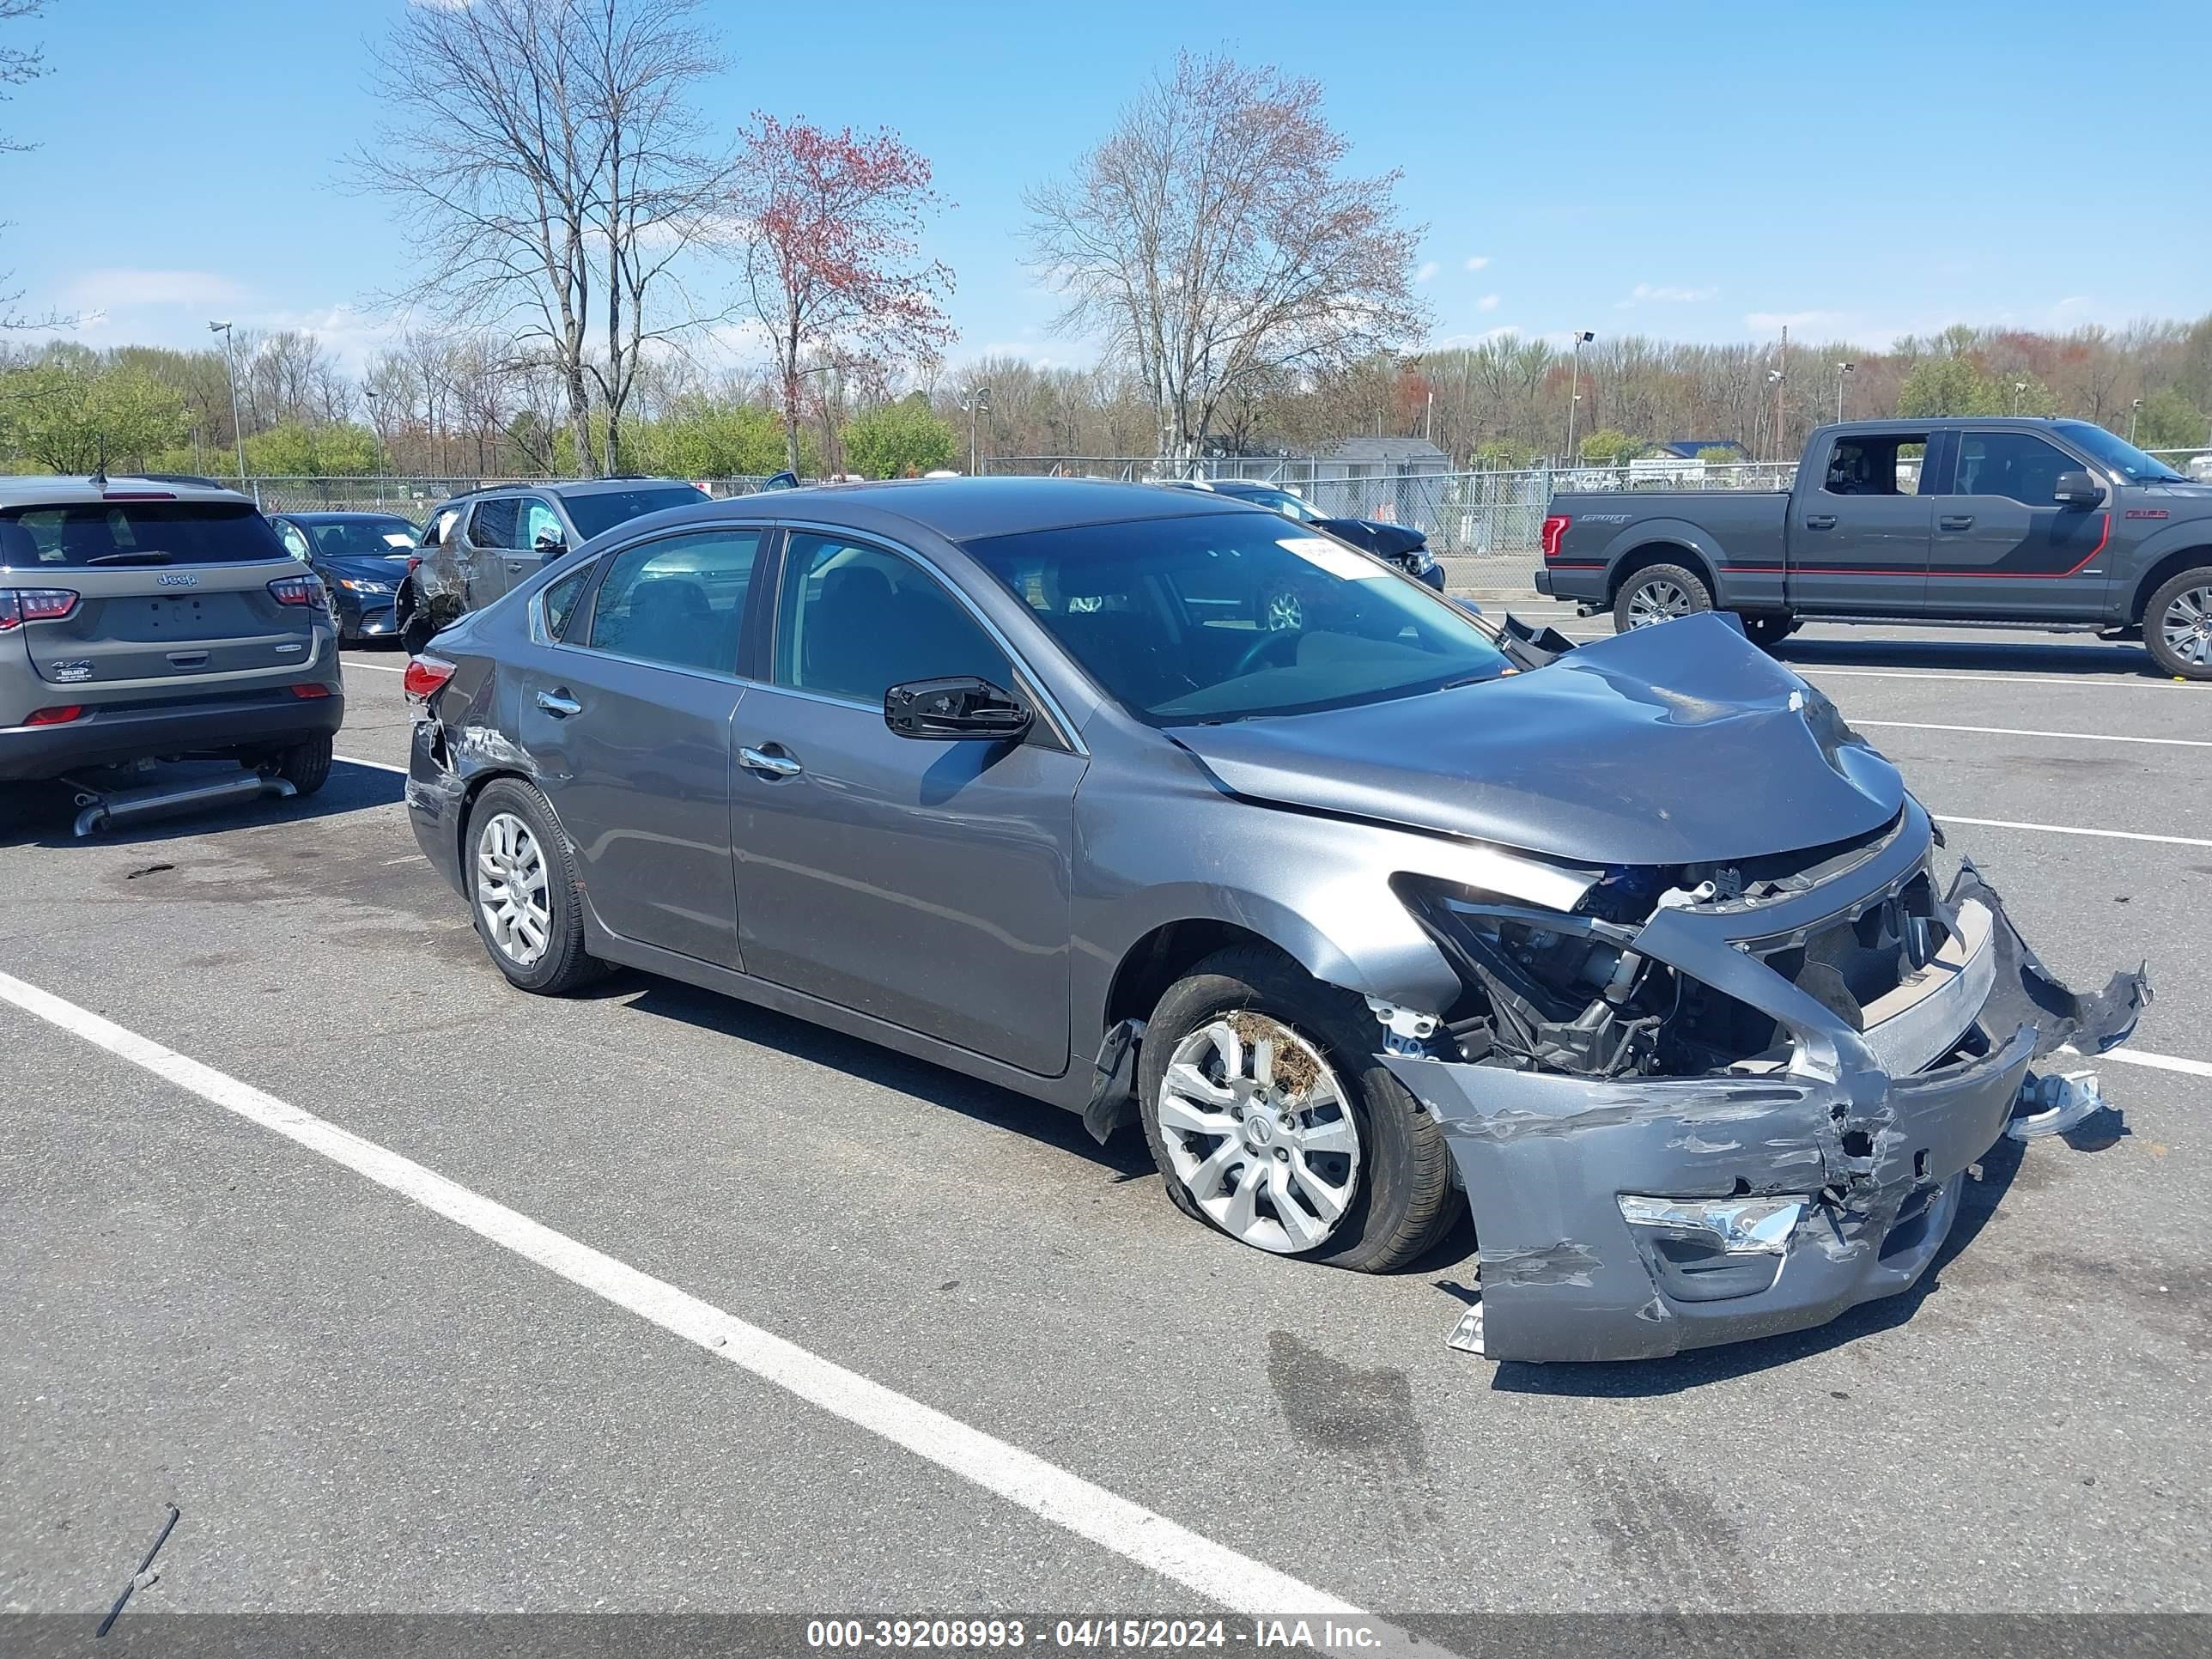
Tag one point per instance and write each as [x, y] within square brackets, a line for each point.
[1285, 611]
[1657, 602]
[511, 890]
[1276, 1167]
[2186, 627]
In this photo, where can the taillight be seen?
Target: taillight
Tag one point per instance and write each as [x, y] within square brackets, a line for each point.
[61, 715]
[425, 677]
[18, 606]
[1555, 527]
[299, 590]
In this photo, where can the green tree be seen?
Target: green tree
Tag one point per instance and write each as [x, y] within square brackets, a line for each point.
[899, 440]
[1950, 385]
[701, 439]
[67, 416]
[1503, 455]
[294, 450]
[1719, 454]
[1609, 446]
[2170, 420]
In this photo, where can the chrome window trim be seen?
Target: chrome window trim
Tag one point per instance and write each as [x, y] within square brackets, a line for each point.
[1055, 716]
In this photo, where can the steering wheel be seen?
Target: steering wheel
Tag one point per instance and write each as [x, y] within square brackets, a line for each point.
[1259, 648]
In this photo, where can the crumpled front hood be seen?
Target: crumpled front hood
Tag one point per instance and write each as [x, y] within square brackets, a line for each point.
[1671, 745]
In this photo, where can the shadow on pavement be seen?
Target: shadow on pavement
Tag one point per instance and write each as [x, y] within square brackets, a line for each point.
[45, 814]
[2083, 655]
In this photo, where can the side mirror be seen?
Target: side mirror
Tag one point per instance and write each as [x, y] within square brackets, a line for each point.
[551, 541]
[2077, 489]
[959, 706]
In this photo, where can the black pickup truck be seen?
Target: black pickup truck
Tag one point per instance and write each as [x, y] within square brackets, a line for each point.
[1935, 520]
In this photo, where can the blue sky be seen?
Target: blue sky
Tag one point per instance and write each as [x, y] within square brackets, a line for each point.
[1859, 168]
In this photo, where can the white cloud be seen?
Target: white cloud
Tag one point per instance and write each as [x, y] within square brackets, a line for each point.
[1427, 272]
[1454, 341]
[110, 290]
[1477, 261]
[1768, 322]
[1487, 303]
[1663, 294]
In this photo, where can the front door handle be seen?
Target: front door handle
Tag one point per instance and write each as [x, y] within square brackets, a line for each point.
[1955, 521]
[768, 765]
[559, 704]
[1820, 521]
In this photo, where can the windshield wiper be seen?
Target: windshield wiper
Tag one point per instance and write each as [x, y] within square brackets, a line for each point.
[143, 555]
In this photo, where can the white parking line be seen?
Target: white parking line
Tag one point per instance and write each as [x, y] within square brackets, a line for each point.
[2071, 830]
[2024, 731]
[381, 766]
[377, 667]
[1218, 1573]
[2160, 1062]
[2130, 683]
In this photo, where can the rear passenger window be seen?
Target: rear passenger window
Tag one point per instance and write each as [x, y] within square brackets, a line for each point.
[678, 600]
[1876, 464]
[2010, 464]
[495, 523]
[560, 602]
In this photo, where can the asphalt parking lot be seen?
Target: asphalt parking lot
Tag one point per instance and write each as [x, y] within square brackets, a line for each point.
[365, 1399]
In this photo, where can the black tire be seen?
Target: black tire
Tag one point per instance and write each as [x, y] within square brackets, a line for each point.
[414, 633]
[1650, 586]
[305, 766]
[1768, 631]
[2164, 652]
[1403, 1202]
[564, 966]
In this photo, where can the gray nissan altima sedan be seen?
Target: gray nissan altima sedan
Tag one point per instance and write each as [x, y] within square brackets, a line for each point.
[1634, 950]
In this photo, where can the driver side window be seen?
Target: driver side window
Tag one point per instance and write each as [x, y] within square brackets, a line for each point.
[853, 621]
[295, 540]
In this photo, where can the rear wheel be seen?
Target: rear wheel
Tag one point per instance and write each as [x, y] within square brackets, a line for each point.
[306, 766]
[1657, 593]
[2177, 625]
[523, 891]
[1272, 1120]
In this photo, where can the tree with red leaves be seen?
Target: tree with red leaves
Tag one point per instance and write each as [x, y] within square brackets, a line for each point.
[832, 265]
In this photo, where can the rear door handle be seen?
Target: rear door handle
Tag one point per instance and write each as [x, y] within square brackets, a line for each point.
[1820, 521]
[768, 765]
[559, 704]
[1955, 521]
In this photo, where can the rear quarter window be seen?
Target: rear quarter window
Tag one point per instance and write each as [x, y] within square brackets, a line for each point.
[91, 533]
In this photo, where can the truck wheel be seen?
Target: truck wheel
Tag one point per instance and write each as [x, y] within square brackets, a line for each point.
[1271, 1119]
[2178, 625]
[1657, 593]
[1769, 631]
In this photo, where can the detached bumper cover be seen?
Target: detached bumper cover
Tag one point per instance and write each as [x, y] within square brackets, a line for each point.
[1546, 1158]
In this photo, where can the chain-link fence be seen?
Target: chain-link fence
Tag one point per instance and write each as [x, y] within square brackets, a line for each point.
[411, 498]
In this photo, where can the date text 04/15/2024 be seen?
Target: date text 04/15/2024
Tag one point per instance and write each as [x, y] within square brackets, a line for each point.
[1093, 1633]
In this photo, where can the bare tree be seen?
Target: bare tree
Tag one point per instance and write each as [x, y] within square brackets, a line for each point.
[545, 157]
[831, 266]
[1212, 240]
[17, 65]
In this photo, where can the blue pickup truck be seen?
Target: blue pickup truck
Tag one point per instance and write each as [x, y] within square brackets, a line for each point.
[2022, 521]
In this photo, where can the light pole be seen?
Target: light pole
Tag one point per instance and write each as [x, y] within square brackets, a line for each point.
[2018, 387]
[376, 420]
[978, 401]
[230, 367]
[1582, 337]
[2135, 414]
[1842, 374]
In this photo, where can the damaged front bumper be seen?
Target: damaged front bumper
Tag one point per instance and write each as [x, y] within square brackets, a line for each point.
[1637, 1216]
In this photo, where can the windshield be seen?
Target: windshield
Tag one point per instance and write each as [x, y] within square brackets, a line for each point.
[603, 510]
[1278, 501]
[137, 532]
[2117, 454]
[1234, 616]
[362, 539]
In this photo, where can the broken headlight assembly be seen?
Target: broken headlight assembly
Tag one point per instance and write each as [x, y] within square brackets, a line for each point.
[1545, 991]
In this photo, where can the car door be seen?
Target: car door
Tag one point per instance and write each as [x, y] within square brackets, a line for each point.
[487, 561]
[1858, 529]
[628, 715]
[924, 882]
[2005, 547]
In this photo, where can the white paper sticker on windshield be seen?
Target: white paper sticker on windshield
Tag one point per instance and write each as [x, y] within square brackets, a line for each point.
[1335, 557]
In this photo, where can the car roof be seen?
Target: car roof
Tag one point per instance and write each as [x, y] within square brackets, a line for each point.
[64, 491]
[318, 515]
[970, 509]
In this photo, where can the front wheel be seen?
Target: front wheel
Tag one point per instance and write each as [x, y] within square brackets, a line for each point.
[2177, 625]
[1768, 631]
[1271, 1119]
[1657, 593]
